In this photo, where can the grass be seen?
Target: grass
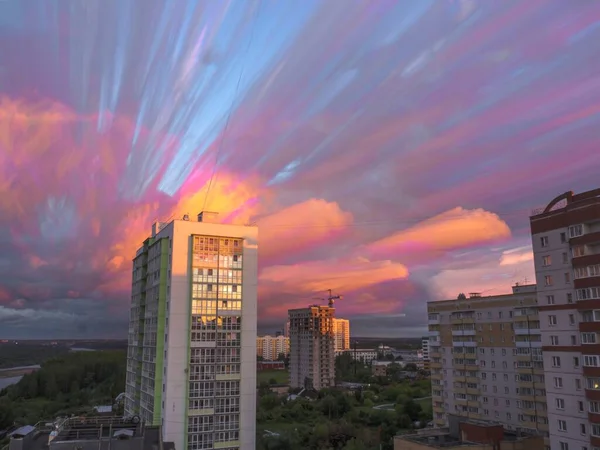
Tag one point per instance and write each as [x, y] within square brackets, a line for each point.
[265, 376]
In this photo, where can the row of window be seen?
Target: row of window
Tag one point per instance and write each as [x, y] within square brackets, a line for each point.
[573, 232]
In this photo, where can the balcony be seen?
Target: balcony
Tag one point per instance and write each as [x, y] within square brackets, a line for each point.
[464, 332]
[526, 331]
[471, 367]
[473, 391]
[458, 320]
[526, 344]
[464, 343]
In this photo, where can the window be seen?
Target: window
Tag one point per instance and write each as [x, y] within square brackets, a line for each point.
[593, 383]
[508, 416]
[552, 321]
[575, 361]
[569, 298]
[550, 299]
[564, 446]
[556, 361]
[575, 231]
[553, 340]
[580, 406]
[547, 261]
[562, 425]
[571, 319]
[594, 407]
[578, 250]
[595, 430]
[499, 314]
[548, 280]
[558, 382]
[588, 338]
[544, 241]
[577, 384]
[503, 352]
[588, 293]
[560, 403]
[567, 277]
[590, 360]
[506, 391]
[563, 238]
[573, 340]
[565, 258]
[582, 428]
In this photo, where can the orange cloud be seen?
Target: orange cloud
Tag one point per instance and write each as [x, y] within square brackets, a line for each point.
[338, 275]
[516, 256]
[300, 226]
[454, 229]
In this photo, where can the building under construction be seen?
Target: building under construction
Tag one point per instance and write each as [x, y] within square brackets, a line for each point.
[312, 346]
[89, 433]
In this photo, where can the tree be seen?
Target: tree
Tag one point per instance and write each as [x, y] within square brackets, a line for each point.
[411, 367]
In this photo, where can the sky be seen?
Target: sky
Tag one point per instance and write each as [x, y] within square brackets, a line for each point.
[391, 151]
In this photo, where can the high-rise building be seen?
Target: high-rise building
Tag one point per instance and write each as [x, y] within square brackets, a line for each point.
[341, 331]
[566, 247]
[270, 347]
[312, 347]
[486, 359]
[425, 352]
[191, 362]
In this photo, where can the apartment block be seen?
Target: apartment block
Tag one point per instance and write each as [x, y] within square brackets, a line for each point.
[191, 361]
[486, 360]
[270, 347]
[566, 246]
[425, 352]
[341, 331]
[312, 347]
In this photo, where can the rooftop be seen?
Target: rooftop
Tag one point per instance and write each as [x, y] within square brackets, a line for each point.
[457, 435]
[88, 432]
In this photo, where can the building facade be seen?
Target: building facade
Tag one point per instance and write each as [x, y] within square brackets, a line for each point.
[191, 362]
[270, 347]
[566, 246]
[341, 331]
[486, 360]
[312, 347]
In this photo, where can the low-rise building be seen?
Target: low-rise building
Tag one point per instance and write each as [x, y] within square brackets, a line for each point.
[366, 355]
[89, 433]
[468, 434]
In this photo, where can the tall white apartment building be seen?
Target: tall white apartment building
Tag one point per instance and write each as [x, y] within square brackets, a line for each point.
[312, 347]
[566, 247]
[486, 360]
[341, 332]
[270, 347]
[191, 361]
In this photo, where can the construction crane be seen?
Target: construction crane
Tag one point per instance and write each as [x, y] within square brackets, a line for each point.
[330, 298]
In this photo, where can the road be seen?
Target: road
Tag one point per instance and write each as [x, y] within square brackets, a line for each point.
[391, 406]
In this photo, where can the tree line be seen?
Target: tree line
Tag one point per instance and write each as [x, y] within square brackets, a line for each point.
[68, 384]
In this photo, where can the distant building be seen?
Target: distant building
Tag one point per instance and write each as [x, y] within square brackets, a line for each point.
[366, 355]
[379, 368]
[312, 343]
[270, 347]
[469, 434]
[270, 365]
[341, 331]
[89, 433]
[425, 352]
[191, 360]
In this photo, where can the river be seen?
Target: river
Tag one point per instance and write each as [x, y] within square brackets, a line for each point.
[7, 381]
